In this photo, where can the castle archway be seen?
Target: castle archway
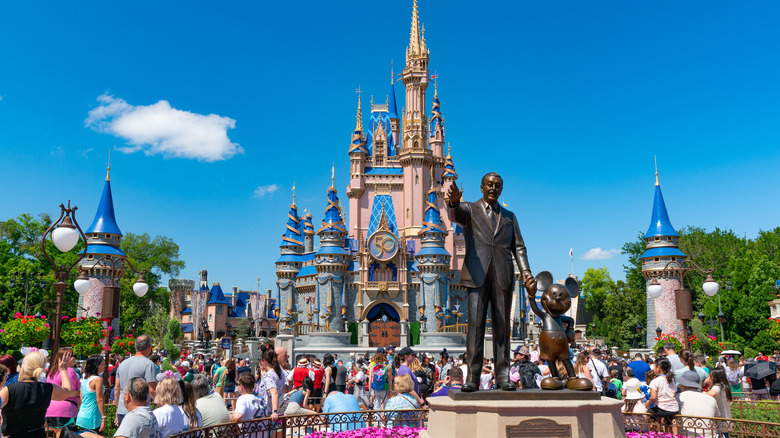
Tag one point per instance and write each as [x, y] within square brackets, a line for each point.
[384, 324]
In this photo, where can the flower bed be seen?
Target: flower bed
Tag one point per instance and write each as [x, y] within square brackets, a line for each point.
[124, 346]
[24, 330]
[653, 435]
[371, 432]
[84, 335]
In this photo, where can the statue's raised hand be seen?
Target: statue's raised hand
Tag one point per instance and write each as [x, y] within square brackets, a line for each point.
[454, 194]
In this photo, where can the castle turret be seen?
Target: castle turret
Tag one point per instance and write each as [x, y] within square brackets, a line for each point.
[661, 242]
[436, 139]
[357, 159]
[433, 261]
[105, 260]
[449, 174]
[289, 264]
[308, 233]
[392, 111]
[331, 261]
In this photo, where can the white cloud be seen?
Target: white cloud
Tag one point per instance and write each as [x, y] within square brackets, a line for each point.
[161, 129]
[600, 254]
[85, 152]
[266, 190]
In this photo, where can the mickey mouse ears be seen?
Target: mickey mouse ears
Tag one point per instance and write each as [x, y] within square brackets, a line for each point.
[545, 279]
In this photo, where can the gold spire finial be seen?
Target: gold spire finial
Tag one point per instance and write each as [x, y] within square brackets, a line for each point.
[392, 75]
[431, 175]
[359, 123]
[333, 175]
[414, 37]
[293, 190]
[656, 170]
[108, 168]
[448, 149]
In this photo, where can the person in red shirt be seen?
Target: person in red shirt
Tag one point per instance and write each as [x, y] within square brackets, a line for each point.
[301, 372]
[319, 373]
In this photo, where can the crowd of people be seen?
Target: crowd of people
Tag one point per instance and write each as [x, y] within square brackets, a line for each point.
[207, 391]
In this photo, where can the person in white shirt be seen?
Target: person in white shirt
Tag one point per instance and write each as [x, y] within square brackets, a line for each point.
[694, 403]
[248, 406]
[598, 370]
[632, 393]
[170, 416]
[485, 378]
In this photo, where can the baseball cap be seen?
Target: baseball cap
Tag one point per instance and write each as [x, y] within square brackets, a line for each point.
[380, 350]
[406, 350]
[521, 349]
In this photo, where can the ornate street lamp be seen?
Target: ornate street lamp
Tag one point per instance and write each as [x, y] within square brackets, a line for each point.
[684, 310]
[659, 331]
[65, 233]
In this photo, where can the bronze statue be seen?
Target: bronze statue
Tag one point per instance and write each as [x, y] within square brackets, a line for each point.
[492, 238]
[555, 339]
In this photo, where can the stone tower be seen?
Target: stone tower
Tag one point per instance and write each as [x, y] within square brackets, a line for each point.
[288, 265]
[331, 261]
[104, 263]
[434, 263]
[661, 250]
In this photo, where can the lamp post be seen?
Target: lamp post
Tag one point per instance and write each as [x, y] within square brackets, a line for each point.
[65, 233]
[639, 328]
[711, 322]
[684, 310]
[659, 331]
[25, 279]
[728, 285]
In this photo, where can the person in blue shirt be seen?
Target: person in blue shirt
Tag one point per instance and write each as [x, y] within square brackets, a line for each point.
[338, 402]
[639, 366]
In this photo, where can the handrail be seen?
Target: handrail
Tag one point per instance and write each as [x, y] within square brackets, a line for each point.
[301, 425]
[454, 328]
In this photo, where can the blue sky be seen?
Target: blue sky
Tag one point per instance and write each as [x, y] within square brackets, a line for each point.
[211, 111]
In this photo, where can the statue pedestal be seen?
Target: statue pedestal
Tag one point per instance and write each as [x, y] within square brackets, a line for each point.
[526, 413]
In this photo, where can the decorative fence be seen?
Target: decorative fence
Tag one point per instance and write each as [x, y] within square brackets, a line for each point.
[302, 425]
[701, 426]
[765, 410]
[455, 328]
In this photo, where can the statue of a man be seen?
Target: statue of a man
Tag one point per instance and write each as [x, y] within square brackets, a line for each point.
[492, 238]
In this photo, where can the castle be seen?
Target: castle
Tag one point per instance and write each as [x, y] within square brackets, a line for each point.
[397, 259]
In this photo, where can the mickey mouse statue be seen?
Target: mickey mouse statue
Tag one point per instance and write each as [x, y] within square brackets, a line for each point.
[554, 340]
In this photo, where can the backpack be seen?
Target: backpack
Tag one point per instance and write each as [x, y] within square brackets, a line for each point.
[423, 382]
[379, 381]
[611, 391]
[527, 372]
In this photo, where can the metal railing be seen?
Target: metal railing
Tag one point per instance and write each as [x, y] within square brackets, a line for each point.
[701, 426]
[305, 329]
[455, 328]
[302, 425]
[764, 410]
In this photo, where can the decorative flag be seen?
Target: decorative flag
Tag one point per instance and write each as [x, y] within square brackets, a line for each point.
[571, 252]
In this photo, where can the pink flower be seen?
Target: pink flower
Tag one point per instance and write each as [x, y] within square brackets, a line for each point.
[46, 325]
[17, 315]
[2, 330]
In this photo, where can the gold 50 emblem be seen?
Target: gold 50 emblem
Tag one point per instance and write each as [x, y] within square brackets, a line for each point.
[383, 245]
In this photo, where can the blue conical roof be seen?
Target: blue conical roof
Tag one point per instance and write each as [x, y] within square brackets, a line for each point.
[432, 221]
[292, 235]
[105, 221]
[392, 109]
[332, 221]
[659, 222]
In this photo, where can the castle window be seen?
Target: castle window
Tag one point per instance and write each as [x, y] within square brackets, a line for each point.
[407, 213]
[90, 257]
[107, 236]
[416, 179]
[211, 317]
[657, 259]
[669, 239]
[657, 239]
[674, 259]
[219, 310]
[95, 236]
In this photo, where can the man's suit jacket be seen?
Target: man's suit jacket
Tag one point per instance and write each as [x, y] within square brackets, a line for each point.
[486, 244]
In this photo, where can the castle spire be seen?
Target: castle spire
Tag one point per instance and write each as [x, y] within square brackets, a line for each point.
[660, 225]
[105, 220]
[414, 36]
[359, 124]
[108, 167]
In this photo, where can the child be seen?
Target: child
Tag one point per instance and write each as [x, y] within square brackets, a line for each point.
[618, 384]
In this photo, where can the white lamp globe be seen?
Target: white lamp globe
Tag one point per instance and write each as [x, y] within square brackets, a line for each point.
[654, 289]
[140, 288]
[81, 285]
[65, 238]
[710, 286]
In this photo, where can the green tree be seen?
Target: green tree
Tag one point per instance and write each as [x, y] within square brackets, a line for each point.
[617, 308]
[158, 256]
[20, 251]
[596, 287]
